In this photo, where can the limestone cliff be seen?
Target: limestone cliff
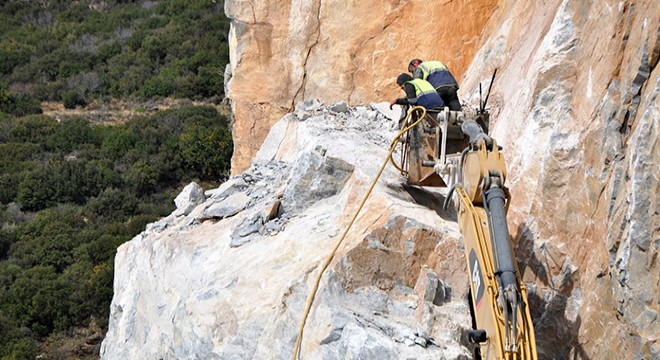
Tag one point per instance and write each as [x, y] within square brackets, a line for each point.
[577, 109]
[227, 274]
[575, 105]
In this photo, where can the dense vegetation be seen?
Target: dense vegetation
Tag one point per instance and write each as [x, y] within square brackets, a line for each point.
[78, 51]
[70, 192]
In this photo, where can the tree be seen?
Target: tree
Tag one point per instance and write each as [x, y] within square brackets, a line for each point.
[207, 150]
[7, 237]
[112, 203]
[72, 99]
[118, 143]
[37, 190]
[18, 104]
[31, 129]
[37, 300]
[70, 134]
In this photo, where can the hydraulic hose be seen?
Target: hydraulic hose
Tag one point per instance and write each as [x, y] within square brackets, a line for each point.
[403, 131]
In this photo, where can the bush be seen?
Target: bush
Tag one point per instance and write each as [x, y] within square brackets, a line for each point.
[72, 99]
[37, 190]
[69, 135]
[31, 129]
[7, 237]
[207, 150]
[118, 143]
[112, 203]
[107, 51]
[25, 104]
[156, 87]
[10, 59]
[19, 105]
[37, 299]
[20, 348]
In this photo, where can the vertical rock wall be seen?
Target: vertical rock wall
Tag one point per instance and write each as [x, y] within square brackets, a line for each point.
[288, 50]
[576, 107]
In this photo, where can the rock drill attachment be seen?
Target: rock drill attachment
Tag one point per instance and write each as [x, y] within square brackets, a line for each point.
[452, 149]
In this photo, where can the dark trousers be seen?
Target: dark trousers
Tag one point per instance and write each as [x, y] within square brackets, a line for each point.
[404, 113]
[450, 97]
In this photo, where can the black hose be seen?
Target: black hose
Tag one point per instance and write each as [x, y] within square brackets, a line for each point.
[445, 204]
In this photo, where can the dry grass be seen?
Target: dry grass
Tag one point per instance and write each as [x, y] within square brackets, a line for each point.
[120, 111]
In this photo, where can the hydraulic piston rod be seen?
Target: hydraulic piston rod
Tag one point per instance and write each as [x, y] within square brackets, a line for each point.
[495, 200]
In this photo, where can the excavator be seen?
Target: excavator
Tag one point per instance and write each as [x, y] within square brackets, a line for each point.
[452, 149]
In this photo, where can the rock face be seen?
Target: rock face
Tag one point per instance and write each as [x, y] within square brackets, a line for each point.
[229, 278]
[284, 51]
[576, 107]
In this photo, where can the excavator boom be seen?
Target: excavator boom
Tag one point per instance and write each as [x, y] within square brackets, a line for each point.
[502, 324]
[499, 299]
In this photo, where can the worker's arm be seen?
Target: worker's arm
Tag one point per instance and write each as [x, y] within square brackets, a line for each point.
[411, 96]
[418, 73]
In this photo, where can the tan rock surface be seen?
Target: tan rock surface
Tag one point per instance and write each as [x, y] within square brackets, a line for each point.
[575, 105]
[285, 51]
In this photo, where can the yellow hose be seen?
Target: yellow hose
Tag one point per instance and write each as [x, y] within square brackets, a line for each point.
[396, 139]
[312, 295]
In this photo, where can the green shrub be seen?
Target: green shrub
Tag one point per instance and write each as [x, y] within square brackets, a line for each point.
[207, 150]
[37, 299]
[72, 99]
[107, 51]
[118, 143]
[19, 104]
[9, 59]
[20, 348]
[31, 129]
[70, 134]
[37, 190]
[156, 87]
[7, 237]
[112, 203]
[9, 186]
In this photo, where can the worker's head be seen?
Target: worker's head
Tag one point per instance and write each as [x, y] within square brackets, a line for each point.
[413, 64]
[402, 79]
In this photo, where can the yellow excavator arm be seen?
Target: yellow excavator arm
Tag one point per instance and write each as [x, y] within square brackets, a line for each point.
[501, 319]
[502, 325]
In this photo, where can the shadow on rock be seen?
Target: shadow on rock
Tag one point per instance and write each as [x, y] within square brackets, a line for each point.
[550, 305]
[429, 198]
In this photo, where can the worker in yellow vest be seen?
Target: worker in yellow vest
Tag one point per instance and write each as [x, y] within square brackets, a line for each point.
[437, 73]
[418, 93]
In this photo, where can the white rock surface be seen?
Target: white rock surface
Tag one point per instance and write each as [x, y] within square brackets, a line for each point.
[191, 196]
[234, 287]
